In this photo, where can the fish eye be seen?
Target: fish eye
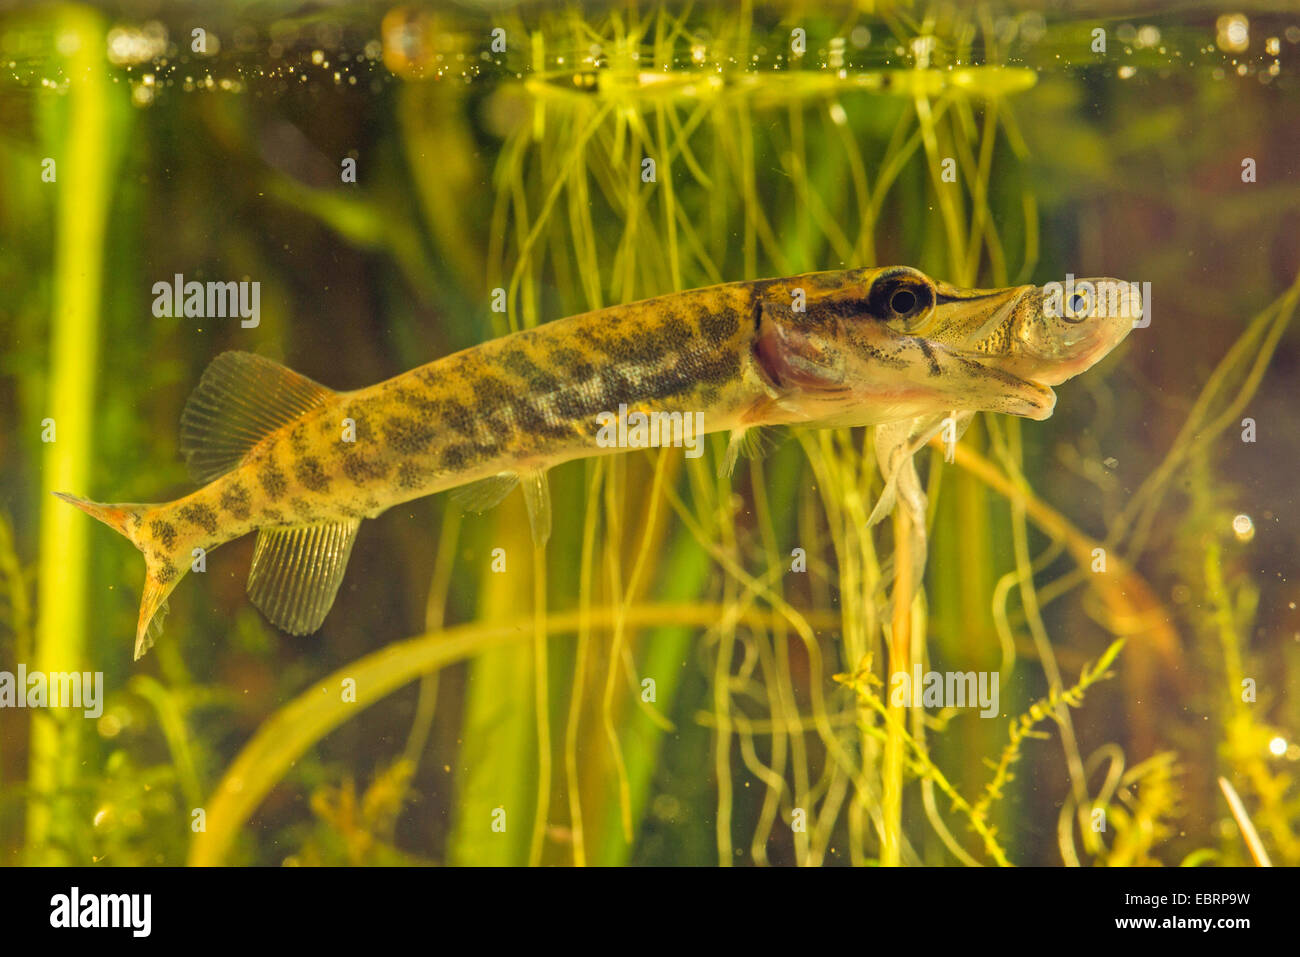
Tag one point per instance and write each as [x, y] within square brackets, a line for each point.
[1078, 304]
[903, 301]
[902, 294]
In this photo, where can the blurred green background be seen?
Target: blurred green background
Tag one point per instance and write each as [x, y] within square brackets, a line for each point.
[506, 718]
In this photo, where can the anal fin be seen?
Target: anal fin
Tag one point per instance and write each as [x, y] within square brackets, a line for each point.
[297, 570]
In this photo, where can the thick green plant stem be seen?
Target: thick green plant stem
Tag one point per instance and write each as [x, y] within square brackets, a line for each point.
[497, 782]
[82, 190]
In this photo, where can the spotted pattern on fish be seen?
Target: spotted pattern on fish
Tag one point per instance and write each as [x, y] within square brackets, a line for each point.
[163, 532]
[310, 475]
[929, 355]
[298, 440]
[455, 456]
[273, 481]
[410, 475]
[197, 513]
[302, 509]
[458, 415]
[424, 404]
[363, 468]
[740, 354]
[235, 500]
[408, 436]
[163, 570]
[518, 363]
[719, 326]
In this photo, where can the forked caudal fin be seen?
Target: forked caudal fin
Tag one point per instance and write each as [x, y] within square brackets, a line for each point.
[163, 570]
[240, 401]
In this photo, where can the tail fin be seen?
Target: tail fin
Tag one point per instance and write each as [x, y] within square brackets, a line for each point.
[161, 574]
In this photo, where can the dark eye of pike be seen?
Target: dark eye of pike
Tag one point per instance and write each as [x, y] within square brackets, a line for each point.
[902, 302]
[901, 295]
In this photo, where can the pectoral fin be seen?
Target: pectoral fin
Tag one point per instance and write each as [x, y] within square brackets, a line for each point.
[896, 445]
[537, 499]
[752, 442]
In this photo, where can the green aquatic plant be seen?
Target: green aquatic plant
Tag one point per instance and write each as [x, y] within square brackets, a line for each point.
[692, 670]
[89, 119]
[576, 146]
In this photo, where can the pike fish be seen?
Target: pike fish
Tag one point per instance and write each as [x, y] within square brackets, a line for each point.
[303, 465]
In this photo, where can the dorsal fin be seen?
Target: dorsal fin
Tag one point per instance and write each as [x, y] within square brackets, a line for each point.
[241, 399]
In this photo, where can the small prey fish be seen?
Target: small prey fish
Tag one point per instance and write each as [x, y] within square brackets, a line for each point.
[302, 464]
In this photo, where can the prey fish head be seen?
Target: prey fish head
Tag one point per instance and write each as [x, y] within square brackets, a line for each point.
[1052, 333]
[874, 345]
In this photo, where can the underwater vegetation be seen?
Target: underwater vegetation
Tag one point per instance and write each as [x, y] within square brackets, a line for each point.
[701, 666]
